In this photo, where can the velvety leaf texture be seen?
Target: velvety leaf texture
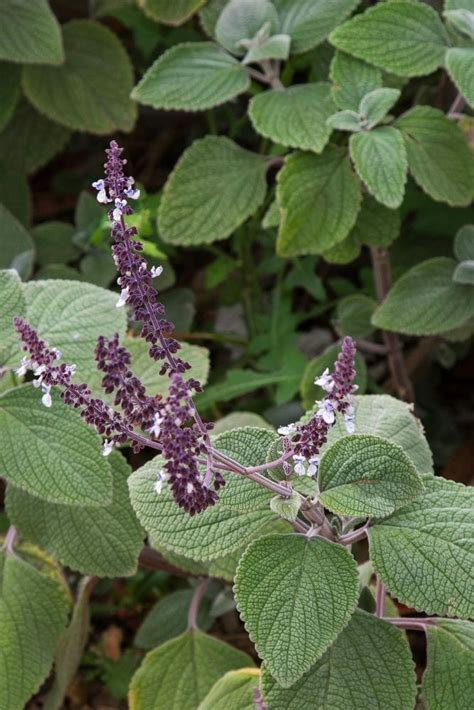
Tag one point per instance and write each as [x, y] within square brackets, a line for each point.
[424, 552]
[13, 304]
[295, 596]
[215, 186]
[351, 80]
[30, 33]
[404, 37]
[319, 198]
[380, 159]
[368, 666]
[242, 19]
[234, 691]
[192, 77]
[174, 13]
[17, 249]
[459, 63]
[178, 674]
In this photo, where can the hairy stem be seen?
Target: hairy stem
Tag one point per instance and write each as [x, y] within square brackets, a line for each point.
[379, 598]
[195, 603]
[258, 700]
[414, 623]
[354, 536]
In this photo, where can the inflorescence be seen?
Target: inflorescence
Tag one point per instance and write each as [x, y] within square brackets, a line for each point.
[172, 423]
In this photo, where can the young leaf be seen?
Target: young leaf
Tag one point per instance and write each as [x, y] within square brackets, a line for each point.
[51, 452]
[315, 367]
[351, 80]
[13, 304]
[30, 33]
[242, 20]
[379, 157]
[308, 22]
[180, 672]
[375, 105]
[447, 680]
[102, 541]
[426, 300]
[367, 475]
[10, 91]
[345, 121]
[464, 273]
[439, 157]
[459, 63]
[319, 197]
[215, 186]
[209, 14]
[242, 510]
[90, 91]
[353, 315]
[464, 243]
[354, 672]
[234, 690]
[432, 536]
[462, 19]
[387, 417]
[17, 249]
[403, 37]
[295, 117]
[192, 77]
[33, 614]
[295, 596]
[175, 13]
[275, 47]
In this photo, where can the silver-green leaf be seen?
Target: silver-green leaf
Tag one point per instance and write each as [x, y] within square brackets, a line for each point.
[379, 156]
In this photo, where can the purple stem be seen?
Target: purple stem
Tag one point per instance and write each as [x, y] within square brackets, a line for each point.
[9, 540]
[413, 623]
[195, 603]
[354, 536]
[258, 700]
[379, 598]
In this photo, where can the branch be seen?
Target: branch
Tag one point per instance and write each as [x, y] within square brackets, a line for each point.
[379, 598]
[413, 623]
[354, 536]
[195, 603]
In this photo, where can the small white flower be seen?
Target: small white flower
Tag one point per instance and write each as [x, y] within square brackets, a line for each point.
[40, 370]
[313, 466]
[119, 207]
[325, 381]
[326, 411]
[288, 430]
[155, 428]
[132, 193]
[300, 464]
[161, 478]
[99, 185]
[124, 294]
[23, 368]
[46, 398]
[107, 447]
[71, 369]
[350, 423]
[190, 487]
[156, 271]
[56, 353]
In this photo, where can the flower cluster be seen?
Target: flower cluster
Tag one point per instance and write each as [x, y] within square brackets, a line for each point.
[306, 440]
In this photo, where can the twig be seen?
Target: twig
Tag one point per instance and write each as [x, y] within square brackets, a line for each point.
[379, 598]
[414, 623]
[195, 603]
[354, 536]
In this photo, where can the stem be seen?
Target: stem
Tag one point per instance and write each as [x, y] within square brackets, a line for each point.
[277, 488]
[258, 700]
[414, 623]
[300, 526]
[275, 162]
[383, 279]
[456, 107]
[372, 348]
[9, 541]
[195, 603]
[354, 536]
[379, 598]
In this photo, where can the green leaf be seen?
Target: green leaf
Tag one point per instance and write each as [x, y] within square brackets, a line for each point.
[33, 614]
[242, 509]
[403, 37]
[15, 193]
[13, 304]
[240, 419]
[345, 121]
[209, 15]
[464, 272]
[192, 77]
[295, 596]
[53, 241]
[319, 198]
[385, 416]
[308, 22]
[379, 156]
[178, 674]
[16, 246]
[90, 91]
[287, 508]
[175, 13]
[10, 91]
[367, 475]
[215, 186]
[439, 157]
[426, 300]
[424, 552]
[447, 680]
[376, 225]
[30, 33]
[239, 382]
[70, 649]
[375, 105]
[295, 117]
[30, 140]
[276, 47]
[102, 541]
[459, 63]
[464, 243]
[345, 251]
[51, 453]
[353, 315]
[315, 367]
[462, 19]
[354, 673]
[242, 19]
[234, 691]
[351, 80]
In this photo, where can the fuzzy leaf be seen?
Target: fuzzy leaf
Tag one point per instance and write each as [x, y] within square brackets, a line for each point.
[353, 315]
[464, 273]
[439, 157]
[345, 121]
[319, 198]
[380, 159]
[351, 80]
[295, 596]
[30, 33]
[237, 420]
[447, 680]
[102, 541]
[464, 243]
[367, 475]
[90, 91]
[242, 19]
[426, 300]
[242, 510]
[15, 193]
[17, 249]
[275, 47]
[308, 22]
[192, 77]
[315, 367]
[178, 674]
[33, 614]
[403, 37]
[353, 673]
[215, 186]
[375, 105]
[51, 453]
[462, 19]
[376, 225]
[234, 691]
[10, 91]
[175, 13]
[13, 304]
[459, 63]
[295, 117]
[209, 15]
[424, 552]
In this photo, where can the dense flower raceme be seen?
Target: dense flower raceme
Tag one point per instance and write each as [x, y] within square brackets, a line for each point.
[172, 423]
